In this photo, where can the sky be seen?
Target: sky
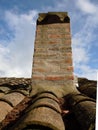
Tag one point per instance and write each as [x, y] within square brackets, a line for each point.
[17, 34]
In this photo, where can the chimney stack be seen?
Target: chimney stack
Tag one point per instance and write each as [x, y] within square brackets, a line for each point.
[52, 60]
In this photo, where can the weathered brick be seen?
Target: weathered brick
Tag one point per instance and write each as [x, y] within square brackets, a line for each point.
[59, 77]
[55, 48]
[55, 61]
[67, 54]
[39, 70]
[69, 77]
[53, 42]
[67, 61]
[54, 36]
[70, 68]
[58, 25]
[44, 56]
[39, 50]
[38, 77]
[61, 35]
[38, 61]
[67, 41]
[55, 78]
[65, 48]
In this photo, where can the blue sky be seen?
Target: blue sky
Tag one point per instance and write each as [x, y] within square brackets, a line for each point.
[17, 34]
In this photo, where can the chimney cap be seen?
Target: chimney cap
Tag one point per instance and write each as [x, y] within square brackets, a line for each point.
[53, 17]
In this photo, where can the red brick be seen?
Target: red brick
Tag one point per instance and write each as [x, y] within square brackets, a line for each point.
[54, 36]
[64, 48]
[55, 78]
[52, 42]
[66, 35]
[59, 25]
[39, 50]
[67, 60]
[68, 56]
[38, 30]
[69, 77]
[59, 36]
[67, 41]
[67, 29]
[70, 68]
[37, 62]
[39, 70]
[37, 77]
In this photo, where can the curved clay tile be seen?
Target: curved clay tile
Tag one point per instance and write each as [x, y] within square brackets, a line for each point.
[84, 109]
[15, 81]
[4, 89]
[4, 109]
[1, 94]
[44, 112]
[88, 87]
[14, 98]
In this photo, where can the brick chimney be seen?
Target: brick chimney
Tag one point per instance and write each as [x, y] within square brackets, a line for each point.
[52, 60]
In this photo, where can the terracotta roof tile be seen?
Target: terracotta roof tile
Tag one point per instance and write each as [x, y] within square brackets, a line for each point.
[13, 94]
[46, 113]
[4, 109]
[88, 87]
[14, 98]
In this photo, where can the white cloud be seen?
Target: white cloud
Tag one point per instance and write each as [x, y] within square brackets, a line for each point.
[83, 41]
[84, 38]
[86, 6]
[88, 72]
[16, 57]
[80, 55]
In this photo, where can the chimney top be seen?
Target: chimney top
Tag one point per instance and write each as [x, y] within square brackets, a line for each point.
[53, 17]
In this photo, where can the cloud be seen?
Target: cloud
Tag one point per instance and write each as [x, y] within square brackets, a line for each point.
[86, 6]
[16, 57]
[87, 72]
[85, 38]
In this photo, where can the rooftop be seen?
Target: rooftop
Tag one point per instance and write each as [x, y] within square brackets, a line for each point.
[15, 102]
